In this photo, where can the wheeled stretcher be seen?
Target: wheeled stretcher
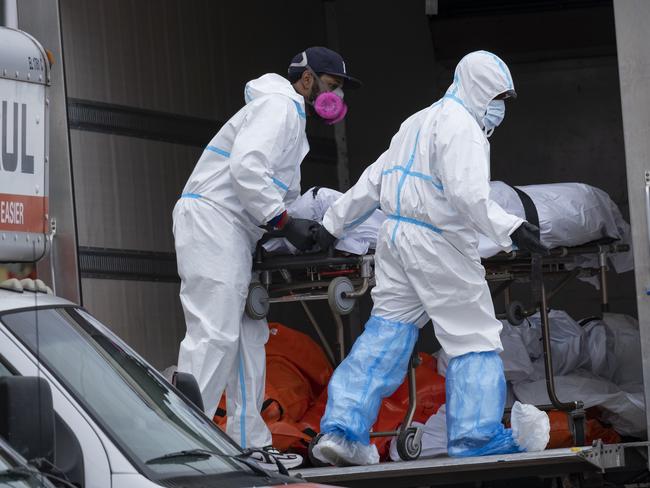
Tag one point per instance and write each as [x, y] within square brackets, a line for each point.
[567, 214]
[341, 279]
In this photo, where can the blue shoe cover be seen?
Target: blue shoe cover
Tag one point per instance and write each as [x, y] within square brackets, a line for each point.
[476, 395]
[373, 370]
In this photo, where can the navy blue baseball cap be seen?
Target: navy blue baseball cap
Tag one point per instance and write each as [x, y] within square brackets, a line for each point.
[323, 61]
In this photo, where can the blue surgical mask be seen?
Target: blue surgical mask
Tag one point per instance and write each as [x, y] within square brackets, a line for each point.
[496, 111]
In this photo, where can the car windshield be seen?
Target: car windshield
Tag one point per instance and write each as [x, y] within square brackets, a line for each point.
[132, 403]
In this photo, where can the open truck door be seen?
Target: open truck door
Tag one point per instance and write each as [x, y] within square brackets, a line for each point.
[24, 80]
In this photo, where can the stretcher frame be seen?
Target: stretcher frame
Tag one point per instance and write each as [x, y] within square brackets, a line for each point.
[507, 269]
[353, 276]
[319, 268]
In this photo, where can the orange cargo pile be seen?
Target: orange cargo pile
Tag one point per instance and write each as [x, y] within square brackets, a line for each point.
[297, 374]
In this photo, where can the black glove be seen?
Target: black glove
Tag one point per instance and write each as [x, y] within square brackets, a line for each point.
[525, 238]
[324, 239]
[300, 233]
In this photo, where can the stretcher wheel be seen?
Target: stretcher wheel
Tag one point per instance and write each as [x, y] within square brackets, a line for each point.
[315, 462]
[579, 438]
[409, 444]
[515, 313]
[336, 295]
[257, 301]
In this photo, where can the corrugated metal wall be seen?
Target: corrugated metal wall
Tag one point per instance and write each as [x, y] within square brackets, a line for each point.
[125, 189]
[193, 58]
[146, 315]
[564, 126]
[186, 58]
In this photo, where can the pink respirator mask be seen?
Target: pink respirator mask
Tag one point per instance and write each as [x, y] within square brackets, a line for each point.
[330, 106]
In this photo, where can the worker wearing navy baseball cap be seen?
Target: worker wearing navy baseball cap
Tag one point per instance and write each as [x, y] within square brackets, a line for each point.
[244, 180]
[320, 75]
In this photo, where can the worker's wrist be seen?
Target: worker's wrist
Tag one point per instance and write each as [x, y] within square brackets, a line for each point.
[279, 221]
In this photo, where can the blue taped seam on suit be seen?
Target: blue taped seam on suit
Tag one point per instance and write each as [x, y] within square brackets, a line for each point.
[393, 169]
[361, 219]
[301, 112]
[403, 179]
[221, 152]
[415, 174]
[242, 419]
[279, 184]
[409, 220]
[191, 195]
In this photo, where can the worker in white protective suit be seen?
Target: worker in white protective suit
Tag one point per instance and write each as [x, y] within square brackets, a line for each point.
[244, 180]
[433, 185]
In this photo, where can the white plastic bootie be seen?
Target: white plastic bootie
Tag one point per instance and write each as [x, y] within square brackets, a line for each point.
[334, 449]
[531, 428]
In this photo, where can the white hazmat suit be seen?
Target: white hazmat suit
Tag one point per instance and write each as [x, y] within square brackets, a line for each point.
[433, 185]
[245, 177]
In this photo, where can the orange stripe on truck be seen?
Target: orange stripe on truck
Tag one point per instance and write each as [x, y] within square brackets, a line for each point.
[20, 213]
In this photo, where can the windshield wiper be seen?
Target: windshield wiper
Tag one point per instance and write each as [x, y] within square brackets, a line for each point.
[243, 458]
[193, 453]
[17, 473]
[41, 467]
[27, 472]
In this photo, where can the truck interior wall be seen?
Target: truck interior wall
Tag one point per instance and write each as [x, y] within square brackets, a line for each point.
[565, 125]
[128, 188]
[146, 315]
[571, 132]
[189, 58]
[388, 47]
[184, 58]
[193, 58]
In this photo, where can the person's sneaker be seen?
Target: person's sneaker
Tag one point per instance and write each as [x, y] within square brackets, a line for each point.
[267, 456]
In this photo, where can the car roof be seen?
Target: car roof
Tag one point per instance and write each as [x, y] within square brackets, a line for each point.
[13, 300]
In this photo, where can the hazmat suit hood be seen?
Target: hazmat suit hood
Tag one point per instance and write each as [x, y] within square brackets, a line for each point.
[272, 83]
[479, 77]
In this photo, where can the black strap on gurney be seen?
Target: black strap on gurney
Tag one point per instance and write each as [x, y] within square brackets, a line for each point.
[538, 296]
[530, 210]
